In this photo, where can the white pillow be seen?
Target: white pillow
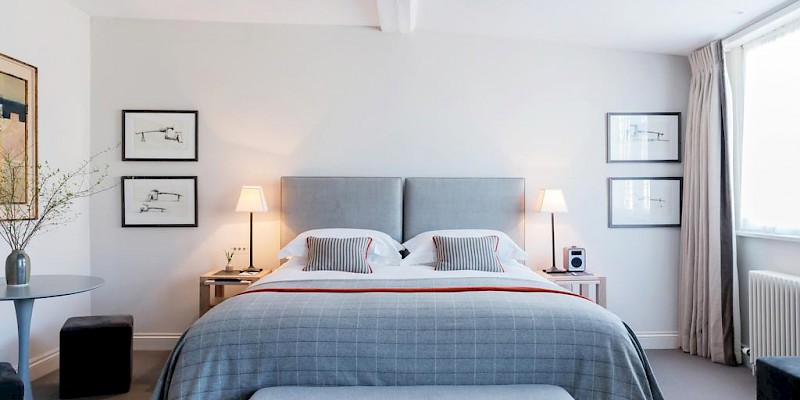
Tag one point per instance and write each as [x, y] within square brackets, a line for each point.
[423, 251]
[384, 249]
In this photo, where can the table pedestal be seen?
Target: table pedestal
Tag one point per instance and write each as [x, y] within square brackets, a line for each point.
[24, 309]
[40, 287]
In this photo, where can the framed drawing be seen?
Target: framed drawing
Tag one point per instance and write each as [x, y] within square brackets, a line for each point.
[644, 202]
[18, 130]
[159, 201]
[152, 135]
[643, 137]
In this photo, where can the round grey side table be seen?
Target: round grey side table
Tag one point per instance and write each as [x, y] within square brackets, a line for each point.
[41, 286]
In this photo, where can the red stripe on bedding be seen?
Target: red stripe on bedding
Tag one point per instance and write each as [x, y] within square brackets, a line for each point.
[520, 289]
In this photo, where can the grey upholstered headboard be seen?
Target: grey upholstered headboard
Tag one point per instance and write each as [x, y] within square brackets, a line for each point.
[465, 203]
[333, 202]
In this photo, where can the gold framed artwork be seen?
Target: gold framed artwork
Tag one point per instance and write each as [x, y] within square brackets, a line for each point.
[18, 131]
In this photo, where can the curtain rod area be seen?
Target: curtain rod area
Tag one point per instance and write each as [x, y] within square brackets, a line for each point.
[763, 26]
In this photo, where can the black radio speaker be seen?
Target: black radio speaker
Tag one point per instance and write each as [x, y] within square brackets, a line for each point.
[574, 259]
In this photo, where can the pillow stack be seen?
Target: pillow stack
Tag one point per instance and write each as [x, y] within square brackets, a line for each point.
[424, 251]
[357, 250]
[343, 249]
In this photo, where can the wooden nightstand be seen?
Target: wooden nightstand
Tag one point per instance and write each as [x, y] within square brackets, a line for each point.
[218, 279]
[584, 282]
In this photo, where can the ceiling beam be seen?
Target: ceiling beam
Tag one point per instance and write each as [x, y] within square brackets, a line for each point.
[397, 15]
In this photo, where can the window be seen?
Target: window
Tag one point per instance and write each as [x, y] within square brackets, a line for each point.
[770, 146]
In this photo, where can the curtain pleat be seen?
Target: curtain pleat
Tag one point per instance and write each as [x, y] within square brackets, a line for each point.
[707, 301]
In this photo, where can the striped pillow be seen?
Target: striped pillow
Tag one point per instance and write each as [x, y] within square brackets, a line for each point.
[338, 254]
[467, 253]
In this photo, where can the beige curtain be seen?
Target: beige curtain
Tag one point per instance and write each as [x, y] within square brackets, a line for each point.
[709, 309]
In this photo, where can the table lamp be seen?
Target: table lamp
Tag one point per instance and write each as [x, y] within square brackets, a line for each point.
[552, 201]
[251, 200]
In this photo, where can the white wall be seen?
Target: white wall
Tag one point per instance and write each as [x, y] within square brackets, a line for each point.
[763, 254]
[295, 100]
[53, 36]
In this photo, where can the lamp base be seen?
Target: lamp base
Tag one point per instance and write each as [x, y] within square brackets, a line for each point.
[553, 270]
[252, 269]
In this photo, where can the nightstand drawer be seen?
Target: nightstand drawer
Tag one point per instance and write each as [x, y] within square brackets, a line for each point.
[219, 280]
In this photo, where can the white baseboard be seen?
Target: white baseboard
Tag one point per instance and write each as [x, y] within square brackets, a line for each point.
[658, 340]
[48, 362]
[155, 341]
[44, 364]
[167, 341]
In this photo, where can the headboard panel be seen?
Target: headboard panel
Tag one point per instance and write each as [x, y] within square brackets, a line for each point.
[341, 202]
[465, 203]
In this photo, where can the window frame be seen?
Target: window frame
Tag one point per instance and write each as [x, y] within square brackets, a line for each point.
[735, 49]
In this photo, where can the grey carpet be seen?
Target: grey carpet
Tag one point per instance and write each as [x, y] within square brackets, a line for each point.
[686, 377]
[680, 376]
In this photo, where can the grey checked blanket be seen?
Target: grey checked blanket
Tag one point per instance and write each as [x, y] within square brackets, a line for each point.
[262, 339]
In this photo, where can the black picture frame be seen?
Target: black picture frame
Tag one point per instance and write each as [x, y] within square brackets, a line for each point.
[129, 153]
[158, 206]
[677, 132]
[677, 213]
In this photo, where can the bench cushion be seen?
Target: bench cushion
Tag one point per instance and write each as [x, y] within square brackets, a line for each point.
[778, 378]
[515, 392]
[75, 324]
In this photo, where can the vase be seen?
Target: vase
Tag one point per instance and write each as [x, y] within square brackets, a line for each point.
[229, 267]
[18, 268]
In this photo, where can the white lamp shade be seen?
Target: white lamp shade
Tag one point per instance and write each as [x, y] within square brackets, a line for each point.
[252, 200]
[551, 200]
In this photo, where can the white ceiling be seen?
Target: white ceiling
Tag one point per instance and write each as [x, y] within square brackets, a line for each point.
[660, 26]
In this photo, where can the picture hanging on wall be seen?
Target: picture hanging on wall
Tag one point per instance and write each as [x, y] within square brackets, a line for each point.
[159, 201]
[18, 137]
[644, 202]
[643, 137]
[152, 135]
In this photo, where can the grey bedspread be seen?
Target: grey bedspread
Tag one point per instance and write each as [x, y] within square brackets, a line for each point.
[264, 339]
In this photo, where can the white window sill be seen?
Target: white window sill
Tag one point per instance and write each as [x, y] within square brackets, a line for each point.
[770, 236]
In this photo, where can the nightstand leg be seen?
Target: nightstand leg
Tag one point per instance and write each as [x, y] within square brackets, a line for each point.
[584, 289]
[601, 292]
[205, 299]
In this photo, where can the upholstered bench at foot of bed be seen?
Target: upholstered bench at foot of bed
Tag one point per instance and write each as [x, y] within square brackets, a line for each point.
[778, 378]
[514, 392]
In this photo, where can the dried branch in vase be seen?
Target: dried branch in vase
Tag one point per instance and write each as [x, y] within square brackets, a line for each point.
[53, 197]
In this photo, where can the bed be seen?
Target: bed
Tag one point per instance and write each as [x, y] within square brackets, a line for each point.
[406, 325]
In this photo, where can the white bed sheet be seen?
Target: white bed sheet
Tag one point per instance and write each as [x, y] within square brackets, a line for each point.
[292, 270]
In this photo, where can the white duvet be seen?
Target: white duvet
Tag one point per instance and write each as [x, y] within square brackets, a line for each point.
[292, 270]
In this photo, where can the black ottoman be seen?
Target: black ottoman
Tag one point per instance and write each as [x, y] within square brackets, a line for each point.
[778, 378]
[11, 387]
[96, 356]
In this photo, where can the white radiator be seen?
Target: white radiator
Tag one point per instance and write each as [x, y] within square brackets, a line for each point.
[774, 320]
